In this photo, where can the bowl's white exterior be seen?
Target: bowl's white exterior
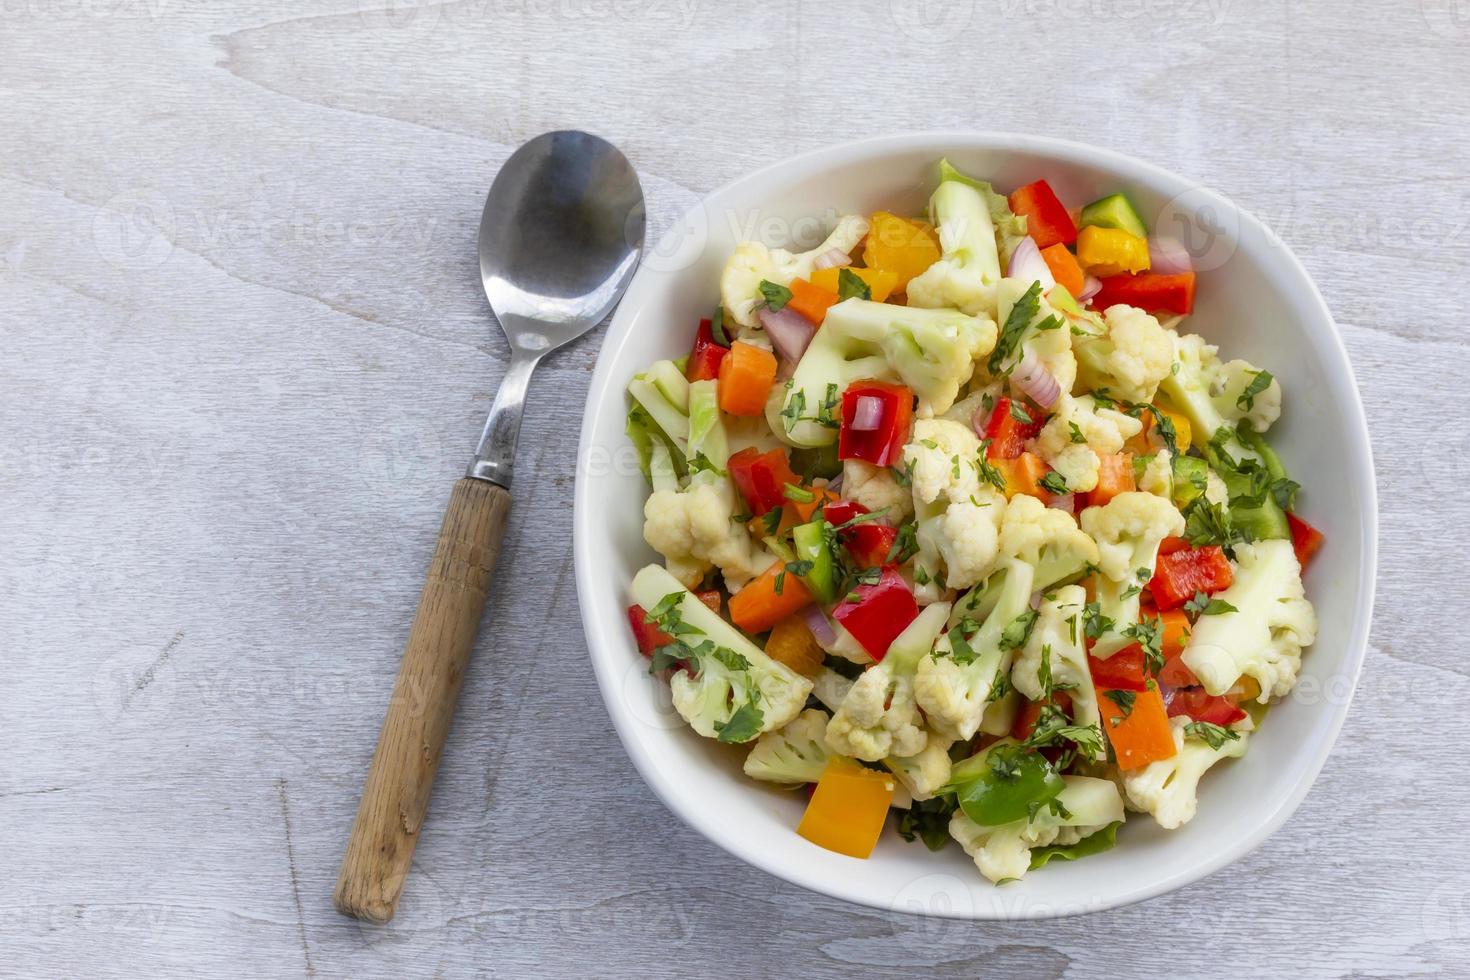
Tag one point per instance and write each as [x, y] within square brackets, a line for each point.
[1255, 300]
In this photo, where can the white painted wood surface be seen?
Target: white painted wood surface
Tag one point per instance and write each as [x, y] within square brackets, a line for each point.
[245, 356]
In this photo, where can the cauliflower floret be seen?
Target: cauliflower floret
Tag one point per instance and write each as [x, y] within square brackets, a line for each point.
[831, 688]
[1057, 639]
[1216, 492]
[697, 527]
[1128, 531]
[733, 677]
[1130, 359]
[1004, 852]
[1264, 638]
[1166, 788]
[876, 489]
[752, 261]
[846, 646]
[923, 774]
[1080, 423]
[933, 352]
[1211, 394]
[959, 518]
[943, 457]
[794, 754]
[1045, 538]
[957, 683]
[969, 269]
[1158, 476]
[879, 716]
[1078, 466]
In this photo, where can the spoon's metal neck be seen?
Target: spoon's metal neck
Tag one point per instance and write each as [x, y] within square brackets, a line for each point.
[495, 456]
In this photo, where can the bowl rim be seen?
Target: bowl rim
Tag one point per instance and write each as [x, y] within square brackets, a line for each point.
[1084, 155]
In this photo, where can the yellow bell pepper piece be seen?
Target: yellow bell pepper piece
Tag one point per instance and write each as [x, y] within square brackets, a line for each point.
[902, 246]
[880, 282]
[1147, 442]
[792, 644]
[847, 811]
[1110, 251]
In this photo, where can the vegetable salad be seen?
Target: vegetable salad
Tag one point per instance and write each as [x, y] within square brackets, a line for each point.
[959, 527]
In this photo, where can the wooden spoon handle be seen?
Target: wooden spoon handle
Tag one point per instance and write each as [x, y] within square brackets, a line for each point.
[395, 797]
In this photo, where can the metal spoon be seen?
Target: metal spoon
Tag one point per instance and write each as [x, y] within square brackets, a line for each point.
[560, 238]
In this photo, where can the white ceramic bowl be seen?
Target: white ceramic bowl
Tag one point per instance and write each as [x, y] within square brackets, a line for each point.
[1254, 299]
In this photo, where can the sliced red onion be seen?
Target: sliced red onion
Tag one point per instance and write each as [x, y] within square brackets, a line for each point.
[833, 258]
[868, 414]
[1027, 263]
[789, 331]
[1090, 287]
[835, 484]
[1064, 502]
[821, 627]
[1168, 256]
[1035, 381]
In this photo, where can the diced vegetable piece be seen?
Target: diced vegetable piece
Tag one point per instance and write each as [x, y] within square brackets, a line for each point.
[792, 644]
[1305, 539]
[1148, 442]
[705, 358]
[648, 635]
[876, 614]
[811, 300]
[1008, 434]
[1110, 252]
[1114, 476]
[1065, 269]
[1003, 784]
[880, 282]
[848, 808]
[901, 246]
[1126, 670]
[882, 443]
[747, 373]
[1197, 703]
[769, 598]
[1191, 476]
[1023, 475]
[1151, 291]
[869, 542]
[711, 599]
[810, 544]
[1030, 714]
[1115, 211]
[1176, 674]
[1047, 221]
[1141, 734]
[1175, 632]
[762, 478]
[1180, 574]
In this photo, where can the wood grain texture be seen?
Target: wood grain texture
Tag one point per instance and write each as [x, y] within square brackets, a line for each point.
[245, 351]
[400, 779]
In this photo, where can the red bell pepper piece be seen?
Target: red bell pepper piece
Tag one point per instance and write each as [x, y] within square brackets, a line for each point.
[869, 542]
[879, 612]
[1151, 291]
[1194, 703]
[1125, 670]
[1175, 674]
[884, 445]
[1180, 574]
[648, 635]
[1305, 539]
[1006, 433]
[705, 358]
[1047, 221]
[1170, 545]
[1030, 714]
[762, 478]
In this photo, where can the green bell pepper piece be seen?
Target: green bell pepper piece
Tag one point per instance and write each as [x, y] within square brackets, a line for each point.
[811, 545]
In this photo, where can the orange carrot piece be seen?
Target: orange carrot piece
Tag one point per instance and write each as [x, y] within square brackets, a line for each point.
[1142, 734]
[1064, 268]
[1175, 633]
[1023, 475]
[747, 373]
[811, 301]
[758, 606]
[1114, 476]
